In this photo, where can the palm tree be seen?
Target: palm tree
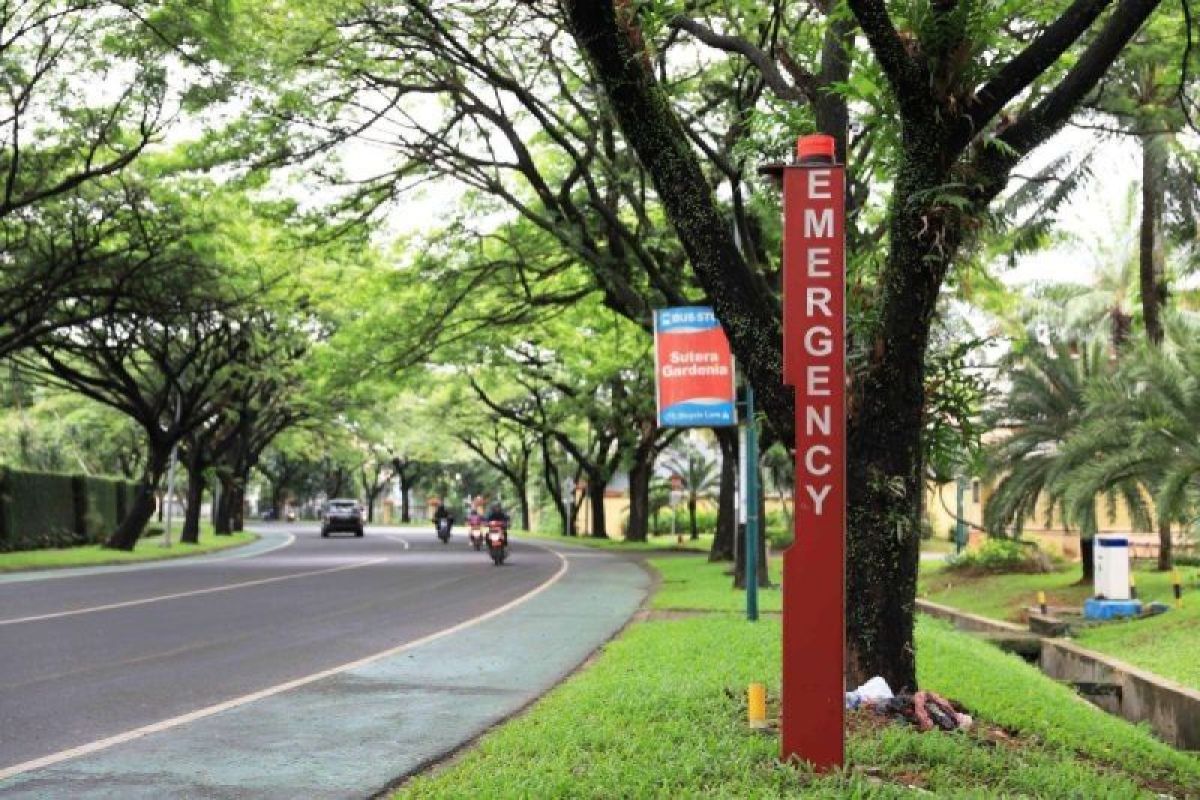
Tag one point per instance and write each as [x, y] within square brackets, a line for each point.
[1074, 311]
[1143, 431]
[699, 477]
[1044, 407]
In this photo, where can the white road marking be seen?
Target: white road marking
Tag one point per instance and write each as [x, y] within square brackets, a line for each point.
[174, 722]
[399, 539]
[210, 590]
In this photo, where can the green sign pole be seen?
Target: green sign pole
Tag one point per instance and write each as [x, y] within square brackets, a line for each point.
[752, 530]
[960, 524]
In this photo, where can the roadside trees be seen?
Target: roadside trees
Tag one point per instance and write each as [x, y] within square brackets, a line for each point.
[168, 372]
[85, 86]
[952, 73]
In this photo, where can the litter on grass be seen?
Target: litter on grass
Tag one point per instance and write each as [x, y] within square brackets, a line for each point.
[923, 710]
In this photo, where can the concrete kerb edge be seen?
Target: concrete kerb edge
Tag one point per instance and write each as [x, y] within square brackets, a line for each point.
[268, 540]
[437, 764]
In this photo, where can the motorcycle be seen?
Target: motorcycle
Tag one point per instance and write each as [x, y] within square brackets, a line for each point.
[497, 542]
[475, 535]
[443, 529]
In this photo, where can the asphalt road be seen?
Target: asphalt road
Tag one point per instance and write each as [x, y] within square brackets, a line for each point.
[87, 658]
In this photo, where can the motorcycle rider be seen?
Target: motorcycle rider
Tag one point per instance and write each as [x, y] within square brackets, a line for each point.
[498, 514]
[441, 514]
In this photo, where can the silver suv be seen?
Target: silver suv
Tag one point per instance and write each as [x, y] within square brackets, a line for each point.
[342, 515]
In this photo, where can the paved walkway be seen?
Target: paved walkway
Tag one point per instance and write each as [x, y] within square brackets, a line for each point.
[352, 733]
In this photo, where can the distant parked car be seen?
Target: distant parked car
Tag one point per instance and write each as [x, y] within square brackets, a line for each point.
[269, 514]
[342, 515]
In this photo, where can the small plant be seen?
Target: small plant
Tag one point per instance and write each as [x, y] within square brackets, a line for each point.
[1002, 555]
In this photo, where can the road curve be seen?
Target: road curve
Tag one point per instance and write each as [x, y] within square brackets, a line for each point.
[98, 669]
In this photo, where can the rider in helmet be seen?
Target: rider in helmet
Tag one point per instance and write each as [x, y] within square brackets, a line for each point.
[498, 514]
[440, 514]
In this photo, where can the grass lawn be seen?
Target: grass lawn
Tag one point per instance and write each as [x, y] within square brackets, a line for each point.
[1168, 644]
[668, 543]
[693, 583]
[146, 550]
[937, 545]
[660, 714]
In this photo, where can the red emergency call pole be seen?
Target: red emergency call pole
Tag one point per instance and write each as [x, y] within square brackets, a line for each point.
[814, 362]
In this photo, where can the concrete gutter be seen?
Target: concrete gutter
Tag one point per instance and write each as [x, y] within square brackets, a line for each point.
[1171, 709]
[972, 623]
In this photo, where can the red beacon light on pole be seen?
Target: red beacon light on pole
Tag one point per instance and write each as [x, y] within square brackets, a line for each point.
[816, 149]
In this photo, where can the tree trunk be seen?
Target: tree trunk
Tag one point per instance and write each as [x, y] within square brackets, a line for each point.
[1087, 559]
[596, 498]
[405, 512]
[523, 501]
[237, 508]
[576, 507]
[725, 539]
[224, 521]
[1150, 249]
[1165, 561]
[640, 473]
[739, 564]
[884, 484]
[195, 496]
[126, 536]
[695, 532]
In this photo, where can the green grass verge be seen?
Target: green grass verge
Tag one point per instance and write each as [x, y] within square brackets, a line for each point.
[937, 545]
[660, 714]
[1168, 645]
[693, 583]
[146, 550]
[655, 543]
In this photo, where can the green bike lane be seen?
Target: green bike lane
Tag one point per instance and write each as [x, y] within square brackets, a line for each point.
[351, 731]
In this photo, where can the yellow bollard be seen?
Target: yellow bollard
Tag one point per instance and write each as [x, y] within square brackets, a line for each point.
[1132, 586]
[1178, 583]
[1042, 601]
[756, 705]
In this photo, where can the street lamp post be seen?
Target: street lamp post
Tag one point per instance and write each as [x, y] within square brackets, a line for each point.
[568, 496]
[166, 541]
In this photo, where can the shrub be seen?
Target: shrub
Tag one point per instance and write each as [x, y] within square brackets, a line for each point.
[1002, 555]
[779, 532]
[103, 505]
[37, 509]
[41, 510]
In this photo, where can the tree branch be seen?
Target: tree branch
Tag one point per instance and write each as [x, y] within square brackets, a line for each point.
[1052, 112]
[806, 84]
[906, 77]
[1025, 67]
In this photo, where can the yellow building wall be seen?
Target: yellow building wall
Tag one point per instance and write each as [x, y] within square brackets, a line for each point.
[1051, 535]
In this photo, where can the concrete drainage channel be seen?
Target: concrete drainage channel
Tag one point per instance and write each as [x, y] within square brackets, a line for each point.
[1170, 709]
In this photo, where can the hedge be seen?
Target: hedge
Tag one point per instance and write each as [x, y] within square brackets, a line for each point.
[42, 509]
